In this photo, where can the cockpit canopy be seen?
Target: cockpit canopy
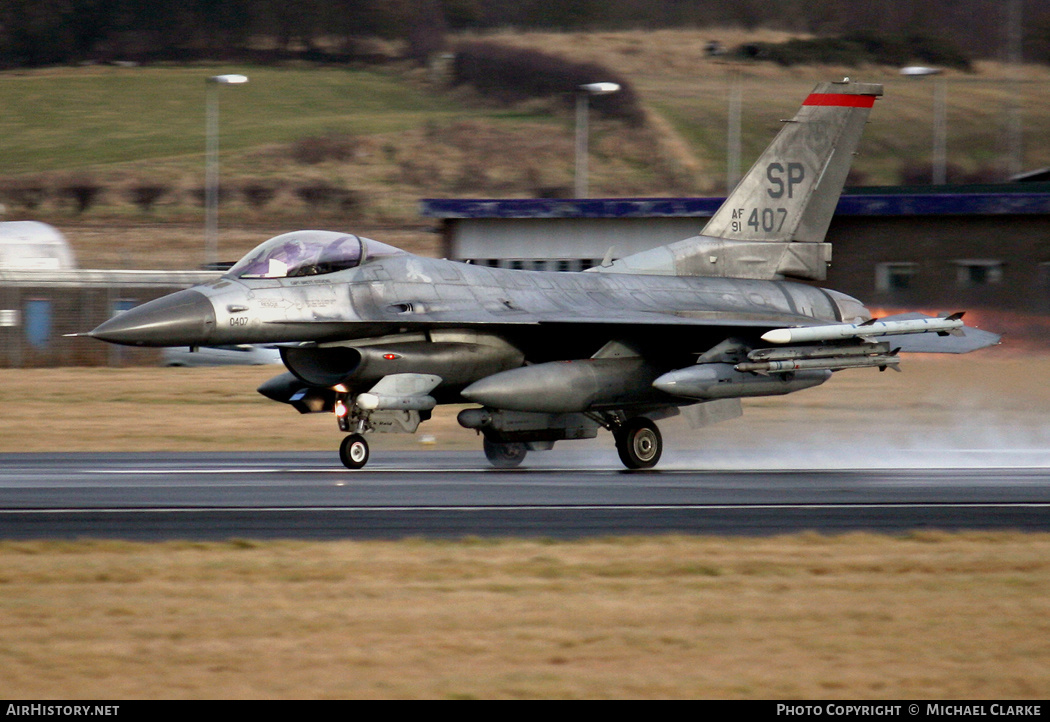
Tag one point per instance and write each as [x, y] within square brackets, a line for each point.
[308, 253]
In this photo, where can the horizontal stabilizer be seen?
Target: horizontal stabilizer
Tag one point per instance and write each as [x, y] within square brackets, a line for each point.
[963, 339]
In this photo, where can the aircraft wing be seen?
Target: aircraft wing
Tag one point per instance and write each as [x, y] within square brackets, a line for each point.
[334, 329]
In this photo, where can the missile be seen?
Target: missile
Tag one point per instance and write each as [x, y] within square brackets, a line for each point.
[832, 332]
[831, 364]
[722, 381]
[784, 353]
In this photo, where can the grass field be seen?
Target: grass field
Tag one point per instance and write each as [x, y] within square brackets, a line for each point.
[75, 118]
[923, 616]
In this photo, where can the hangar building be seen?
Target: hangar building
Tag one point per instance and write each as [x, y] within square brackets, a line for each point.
[921, 248]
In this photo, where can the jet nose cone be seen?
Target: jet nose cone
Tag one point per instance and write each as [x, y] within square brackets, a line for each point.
[183, 318]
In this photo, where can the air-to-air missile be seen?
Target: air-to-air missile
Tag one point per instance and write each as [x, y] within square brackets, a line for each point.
[832, 332]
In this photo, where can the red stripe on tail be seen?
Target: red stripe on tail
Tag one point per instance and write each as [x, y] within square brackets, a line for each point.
[840, 100]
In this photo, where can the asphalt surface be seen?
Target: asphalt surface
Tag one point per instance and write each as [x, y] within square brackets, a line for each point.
[455, 494]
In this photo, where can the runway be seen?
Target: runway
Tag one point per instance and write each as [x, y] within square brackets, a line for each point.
[448, 494]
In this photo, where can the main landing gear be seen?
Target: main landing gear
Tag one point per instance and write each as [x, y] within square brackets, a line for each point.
[638, 443]
[504, 455]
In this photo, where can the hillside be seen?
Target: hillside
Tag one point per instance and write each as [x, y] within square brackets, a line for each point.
[356, 148]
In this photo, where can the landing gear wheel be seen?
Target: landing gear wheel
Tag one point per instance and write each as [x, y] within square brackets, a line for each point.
[504, 456]
[639, 443]
[353, 452]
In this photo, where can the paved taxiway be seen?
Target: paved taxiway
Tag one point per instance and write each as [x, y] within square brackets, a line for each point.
[455, 494]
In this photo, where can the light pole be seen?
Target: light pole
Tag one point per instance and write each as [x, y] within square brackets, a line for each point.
[733, 142]
[940, 120]
[1015, 55]
[211, 164]
[583, 93]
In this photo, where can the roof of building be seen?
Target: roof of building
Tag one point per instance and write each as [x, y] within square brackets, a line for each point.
[1006, 199]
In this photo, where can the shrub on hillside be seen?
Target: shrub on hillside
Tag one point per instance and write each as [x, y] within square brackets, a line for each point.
[859, 49]
[82, 193]
[146, 195]
[27, 195]
[258, 194]
[904, 49]
[818, 51]
[511, 75]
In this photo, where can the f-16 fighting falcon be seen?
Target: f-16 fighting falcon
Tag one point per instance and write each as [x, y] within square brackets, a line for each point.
[378, 337]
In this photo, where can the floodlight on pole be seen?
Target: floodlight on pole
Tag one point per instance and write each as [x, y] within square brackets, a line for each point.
[211, 164]
[940, 120]
[583, 93]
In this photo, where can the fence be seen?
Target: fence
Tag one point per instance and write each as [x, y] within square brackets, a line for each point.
[38, 309]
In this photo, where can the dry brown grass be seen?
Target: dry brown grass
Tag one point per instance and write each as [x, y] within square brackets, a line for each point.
[928, 615]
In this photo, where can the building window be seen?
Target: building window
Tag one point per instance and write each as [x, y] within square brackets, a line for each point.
[123, 304]
[38, 322]
[895, 276]
[972, 273]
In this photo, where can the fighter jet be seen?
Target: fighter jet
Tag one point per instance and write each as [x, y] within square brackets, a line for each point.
[378, 337]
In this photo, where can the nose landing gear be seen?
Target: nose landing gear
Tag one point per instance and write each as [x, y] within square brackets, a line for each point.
[353, 451]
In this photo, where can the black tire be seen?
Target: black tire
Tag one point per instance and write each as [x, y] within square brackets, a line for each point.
[353, 451]
[504, 456]
[639, 443]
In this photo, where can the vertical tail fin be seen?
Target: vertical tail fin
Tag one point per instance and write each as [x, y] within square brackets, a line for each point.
[773, 223]
[791, 191]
